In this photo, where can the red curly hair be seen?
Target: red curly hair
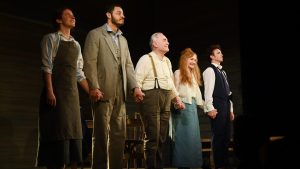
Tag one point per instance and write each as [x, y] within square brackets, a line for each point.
[185, 72]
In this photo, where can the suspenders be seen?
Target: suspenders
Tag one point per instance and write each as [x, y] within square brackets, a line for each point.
[155, 74]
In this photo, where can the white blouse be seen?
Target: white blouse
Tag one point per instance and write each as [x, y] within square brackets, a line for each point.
[187, 92]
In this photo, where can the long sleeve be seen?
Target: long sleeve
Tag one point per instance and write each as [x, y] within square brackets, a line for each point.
[131, 80]
[47, 47]
[209, 84]
[177, 78]
[142, 73]
[90, 59]
[231, 106]
[79, 73]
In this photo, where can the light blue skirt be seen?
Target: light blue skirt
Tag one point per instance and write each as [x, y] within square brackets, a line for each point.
[187, 150]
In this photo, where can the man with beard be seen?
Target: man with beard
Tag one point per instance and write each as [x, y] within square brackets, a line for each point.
[110, 73]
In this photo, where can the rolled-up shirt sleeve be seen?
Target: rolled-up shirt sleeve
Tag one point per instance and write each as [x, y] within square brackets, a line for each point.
[49, 46]
[47, 54]
[79, 73]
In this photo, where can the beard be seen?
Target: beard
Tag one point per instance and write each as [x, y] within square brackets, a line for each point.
[119, 23]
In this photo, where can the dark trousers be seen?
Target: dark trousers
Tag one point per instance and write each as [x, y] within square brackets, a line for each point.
[155, 111]
[221, 133]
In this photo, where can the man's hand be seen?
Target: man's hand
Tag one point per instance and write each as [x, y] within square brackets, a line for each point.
[51, 99]
[138, 95]
[231, 116]
[213, 113]
[96, 95]
[178, 103]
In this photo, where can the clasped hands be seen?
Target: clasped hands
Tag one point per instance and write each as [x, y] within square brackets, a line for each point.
[213, 113]
[178, 103]
[96, 95]
[138, 95]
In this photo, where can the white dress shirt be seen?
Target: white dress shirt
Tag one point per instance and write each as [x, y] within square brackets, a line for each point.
[209, 83]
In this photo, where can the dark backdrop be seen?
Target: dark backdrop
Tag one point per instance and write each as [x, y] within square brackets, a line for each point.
[262, 37]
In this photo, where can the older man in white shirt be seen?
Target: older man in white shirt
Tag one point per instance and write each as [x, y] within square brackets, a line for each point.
[154, 76]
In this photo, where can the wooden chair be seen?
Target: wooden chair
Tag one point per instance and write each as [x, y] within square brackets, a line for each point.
[134, 141]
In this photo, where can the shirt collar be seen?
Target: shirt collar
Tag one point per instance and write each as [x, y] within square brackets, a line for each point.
[218, 66]
[155, 55]
[62, 35]
[108, 29]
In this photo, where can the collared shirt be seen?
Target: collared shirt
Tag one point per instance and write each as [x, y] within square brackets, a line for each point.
[145, 75]
[209, 83]
[115, 36]
[49, 45]
[188, 92]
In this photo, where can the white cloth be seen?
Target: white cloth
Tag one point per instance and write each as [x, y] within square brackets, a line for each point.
[187, 92]
[209, 83]
[145, 75]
